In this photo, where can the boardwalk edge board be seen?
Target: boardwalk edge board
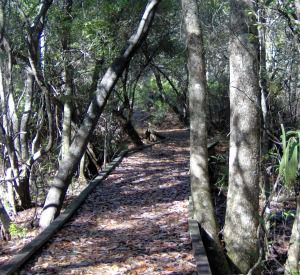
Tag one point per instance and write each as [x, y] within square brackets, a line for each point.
[200, 256]
[17, 261]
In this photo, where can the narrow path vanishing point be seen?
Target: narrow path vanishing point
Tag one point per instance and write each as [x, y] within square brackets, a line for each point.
[134, 223]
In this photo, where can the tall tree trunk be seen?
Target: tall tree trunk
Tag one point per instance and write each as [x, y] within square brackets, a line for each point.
[203, 207]
[67, 77]
[28, 91]
[68, 166]
[292, 265]
[243, 194]
[265, 182]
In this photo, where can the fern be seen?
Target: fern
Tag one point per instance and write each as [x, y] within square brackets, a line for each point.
[289, 163]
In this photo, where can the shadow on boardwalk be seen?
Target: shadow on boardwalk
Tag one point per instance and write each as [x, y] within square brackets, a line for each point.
[134, 223]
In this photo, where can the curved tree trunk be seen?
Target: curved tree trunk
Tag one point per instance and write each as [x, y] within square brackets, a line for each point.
[203, 206]
[68, 166]
[14, 126]
[243, 194]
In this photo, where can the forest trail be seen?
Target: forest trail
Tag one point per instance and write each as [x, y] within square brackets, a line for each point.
[135, 222]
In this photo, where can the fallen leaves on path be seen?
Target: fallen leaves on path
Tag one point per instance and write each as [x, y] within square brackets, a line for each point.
[135, 222]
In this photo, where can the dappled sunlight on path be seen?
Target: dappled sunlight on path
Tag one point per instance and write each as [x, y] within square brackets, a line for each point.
[134, 223]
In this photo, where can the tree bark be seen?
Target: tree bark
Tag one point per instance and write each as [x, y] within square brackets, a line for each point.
[67, 78]
[201, 194]
[265, 181]
[5, 221]
[28, 89]
[68, 166]
[241, 222]
[292, 265]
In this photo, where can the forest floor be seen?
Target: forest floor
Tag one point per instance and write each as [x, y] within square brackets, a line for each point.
[135, 222]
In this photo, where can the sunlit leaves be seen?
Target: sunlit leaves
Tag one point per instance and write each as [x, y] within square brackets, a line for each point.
[29, 7]
[289, 164]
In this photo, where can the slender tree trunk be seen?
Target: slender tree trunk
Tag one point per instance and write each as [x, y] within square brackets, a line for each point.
[265, 182]
[14, 127]
[9, 196]
[292, 265]
[23, 188]
[243, 194]
[129, 128]
[105, 150]
[68, 166]
[166, 99]
[82, 168]
[90, 152]
[66, 125]
[5, 221]
[14, 171]
[28, 91]
[203, 207]
[67, 77]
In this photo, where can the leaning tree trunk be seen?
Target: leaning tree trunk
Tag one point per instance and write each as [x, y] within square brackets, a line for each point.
[68, 166]
[241, 221]
[201, 194]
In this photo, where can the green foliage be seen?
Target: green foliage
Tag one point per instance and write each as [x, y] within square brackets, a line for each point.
[148, 98]
[160, 110]
[216, 86]
[94, 27]
[289, 6]
[30, 7]
[220, 164]
[141, 96]
[292, 271]
[290, 162]
[288, 213]
[17, 231]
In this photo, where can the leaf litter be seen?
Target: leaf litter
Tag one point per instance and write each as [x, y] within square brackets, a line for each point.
[135, 222]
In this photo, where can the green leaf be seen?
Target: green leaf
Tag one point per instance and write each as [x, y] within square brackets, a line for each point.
[289, 163]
